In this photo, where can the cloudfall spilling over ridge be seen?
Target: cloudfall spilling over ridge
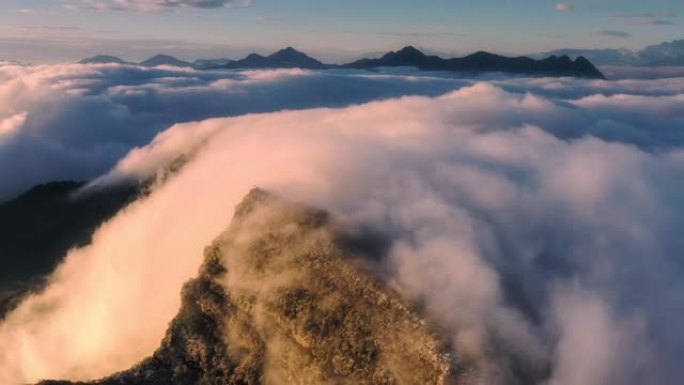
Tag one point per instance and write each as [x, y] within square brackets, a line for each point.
[536, 230]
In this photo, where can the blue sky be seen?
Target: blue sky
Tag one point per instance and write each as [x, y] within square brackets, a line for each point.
[62, 30]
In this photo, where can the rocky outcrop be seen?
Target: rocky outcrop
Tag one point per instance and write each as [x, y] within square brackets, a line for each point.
[283, 297]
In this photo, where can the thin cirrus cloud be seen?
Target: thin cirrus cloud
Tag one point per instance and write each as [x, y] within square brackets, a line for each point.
[564, 7]
[650, 18]
[653, 22]
[614, 33]
[155, 5]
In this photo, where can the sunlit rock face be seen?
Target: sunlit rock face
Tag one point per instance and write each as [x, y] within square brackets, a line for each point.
[284, 297]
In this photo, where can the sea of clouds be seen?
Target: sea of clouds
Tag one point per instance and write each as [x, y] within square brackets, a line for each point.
[536, 219]
[74, 121]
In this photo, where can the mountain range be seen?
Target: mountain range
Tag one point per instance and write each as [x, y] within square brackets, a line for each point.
[663, 54]
[478, 62]
[483, 62]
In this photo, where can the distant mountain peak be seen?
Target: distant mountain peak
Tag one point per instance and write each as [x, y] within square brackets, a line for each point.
[210, 63]
[288, 52]
[161, 59]
[410, 50]
[103, 59]
[481, 55]
[287, 57]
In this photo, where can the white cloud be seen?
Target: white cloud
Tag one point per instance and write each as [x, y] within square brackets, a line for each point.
[12, 124]
[155, 5]
[79, 120]
[537, 248]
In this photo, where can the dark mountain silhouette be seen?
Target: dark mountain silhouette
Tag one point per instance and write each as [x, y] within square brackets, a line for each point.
[285, 58]
[407, 56]
[159, 60]
[483, 62]
[40, 226]
[210, 63]
[478, 62]
[104, 59]
[603, 56]
[282, 299]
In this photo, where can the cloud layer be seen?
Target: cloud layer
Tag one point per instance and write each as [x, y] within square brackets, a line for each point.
[537, 220]
[76, 121]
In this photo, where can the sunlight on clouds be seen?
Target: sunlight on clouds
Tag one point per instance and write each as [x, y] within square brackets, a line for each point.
[526, 248]
[11, 125]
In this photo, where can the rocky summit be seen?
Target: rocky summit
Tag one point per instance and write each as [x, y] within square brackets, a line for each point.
[284, 297]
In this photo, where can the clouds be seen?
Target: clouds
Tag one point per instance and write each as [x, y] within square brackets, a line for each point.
[76, 121]
[650, 18]
[564, 7]
[12, 124]
[654, 22]
[536, 220]
[595, 340]
[614, 33]
[157, 5]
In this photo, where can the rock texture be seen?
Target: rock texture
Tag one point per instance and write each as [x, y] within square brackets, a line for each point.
[283, 298]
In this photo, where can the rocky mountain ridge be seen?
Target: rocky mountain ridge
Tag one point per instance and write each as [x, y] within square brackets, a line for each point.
[282, 299]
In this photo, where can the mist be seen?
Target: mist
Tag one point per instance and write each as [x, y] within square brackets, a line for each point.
[536, 220]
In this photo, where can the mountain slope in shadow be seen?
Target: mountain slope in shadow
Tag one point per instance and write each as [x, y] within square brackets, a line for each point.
[40, 226]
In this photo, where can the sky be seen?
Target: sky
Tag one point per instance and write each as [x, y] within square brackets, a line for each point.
[66, 30]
